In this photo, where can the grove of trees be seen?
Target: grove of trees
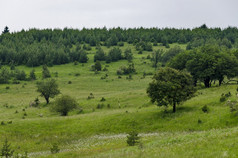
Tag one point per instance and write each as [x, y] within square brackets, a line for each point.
[36, 47]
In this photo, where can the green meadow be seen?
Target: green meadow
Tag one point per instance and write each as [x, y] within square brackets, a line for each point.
[89, 131]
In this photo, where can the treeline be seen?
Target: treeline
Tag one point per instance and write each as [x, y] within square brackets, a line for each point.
[55, 46]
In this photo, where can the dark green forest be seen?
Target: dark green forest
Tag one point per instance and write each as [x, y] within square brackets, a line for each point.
[36, 47]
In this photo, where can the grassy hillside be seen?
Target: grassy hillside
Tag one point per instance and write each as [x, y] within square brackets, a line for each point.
[102, 132]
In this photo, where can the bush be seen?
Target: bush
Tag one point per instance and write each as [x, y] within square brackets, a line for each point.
[64, 104]
[224, 97]
[205, 109]
[55, 148]
[123, 70]
[91, 96]
[6, 150]
[98, 66]
[77, 74]
[100, 106]
[35, 103]
[103, 99]
[199, 121]
[45, 72]
[132, 138]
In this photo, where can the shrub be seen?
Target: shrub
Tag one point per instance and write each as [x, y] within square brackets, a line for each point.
[35, 103]
[205, 109]
[225, 96]
[98, 66]
[69, 82]
[32, 75]
[119, 72]
[55, 148]
[103, 99]
[123, 70]
[76, 62]
[100, 106]
[222, 98]
[64, 104]
[132, 138]
[91, 96]
[77, 74]
[6, 150]
[199, 121]
[105, 69]
[45, 72]
[120, 44]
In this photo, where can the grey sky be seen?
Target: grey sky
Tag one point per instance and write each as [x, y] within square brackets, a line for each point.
[25, 14]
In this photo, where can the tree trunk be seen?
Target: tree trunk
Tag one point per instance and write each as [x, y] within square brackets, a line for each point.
[207, 82]
[174, 108]
[195, 82]
[47, 100]
[220, 81]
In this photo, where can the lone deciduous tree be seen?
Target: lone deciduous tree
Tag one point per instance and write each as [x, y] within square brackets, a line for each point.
[170, 87]
[48, 89]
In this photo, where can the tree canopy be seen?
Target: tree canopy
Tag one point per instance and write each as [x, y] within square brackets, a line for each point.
[48, 89]
[170, 87]
[36, 47]
[207, 63]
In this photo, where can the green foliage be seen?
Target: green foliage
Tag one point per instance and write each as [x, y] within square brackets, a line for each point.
[128, 55]
[4, 76]
[6, 150]
[205, 109]
[170, 87]
[132, 138]
[54, 149]
[91, 96]
[83, 57]
[100, 55]
[114, 54]
[20, 75]
[100, 106]
[45, 72]
[48, 89]
[32, 75]
[103, 99]
[168, 55]
[98, 66]
[156, 57]
[224, 97]
[6, 30]
[207, 64]
[64, 104]
[123, 70]
[36, 47]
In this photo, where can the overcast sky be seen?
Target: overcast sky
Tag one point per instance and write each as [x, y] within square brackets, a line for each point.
[25, 14]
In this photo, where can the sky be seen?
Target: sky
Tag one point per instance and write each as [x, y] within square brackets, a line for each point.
[26, 14]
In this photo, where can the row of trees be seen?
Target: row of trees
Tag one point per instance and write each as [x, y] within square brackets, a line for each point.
[37, 47]
[16, 75]
[69, 37]
[114, 54]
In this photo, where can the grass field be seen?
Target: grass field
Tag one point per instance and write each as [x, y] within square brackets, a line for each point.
[102, 132]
